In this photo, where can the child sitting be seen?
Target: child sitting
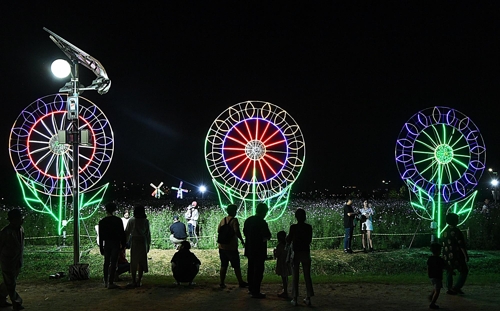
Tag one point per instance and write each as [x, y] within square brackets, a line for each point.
[283, 268]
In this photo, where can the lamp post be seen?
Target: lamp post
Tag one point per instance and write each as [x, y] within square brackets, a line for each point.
[74, 136]
[61, 69]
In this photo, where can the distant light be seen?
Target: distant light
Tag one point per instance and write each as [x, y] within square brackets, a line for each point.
[490, 170]
[494, 182]
[60, 68]
[203, 189]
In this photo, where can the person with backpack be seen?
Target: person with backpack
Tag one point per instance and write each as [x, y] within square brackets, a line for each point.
[228, 235]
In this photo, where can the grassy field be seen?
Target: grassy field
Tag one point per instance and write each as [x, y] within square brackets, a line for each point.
[406, 266]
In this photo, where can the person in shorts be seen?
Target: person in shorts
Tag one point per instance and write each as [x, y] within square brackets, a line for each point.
[435, 267]
[228, 253]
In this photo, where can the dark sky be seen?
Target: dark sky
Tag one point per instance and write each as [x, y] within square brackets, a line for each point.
[350, 73]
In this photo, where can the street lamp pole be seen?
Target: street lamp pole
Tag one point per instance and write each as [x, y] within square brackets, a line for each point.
[75, 130]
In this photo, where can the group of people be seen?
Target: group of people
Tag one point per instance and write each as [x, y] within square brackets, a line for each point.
[115, 235]
[365, 218]
[291, 252]
[178, 232]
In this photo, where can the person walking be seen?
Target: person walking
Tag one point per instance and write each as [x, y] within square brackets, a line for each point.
[300, 237]
[11, 259]
[140, 242]
[256, 231]
[111, 240]
[228, 252]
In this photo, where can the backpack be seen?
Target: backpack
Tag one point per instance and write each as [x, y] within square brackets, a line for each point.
[226, 232]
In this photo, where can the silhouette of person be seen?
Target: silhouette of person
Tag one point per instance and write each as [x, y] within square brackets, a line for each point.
[140, 242]
[185, 264]
[229, 252]
[349, 215]
[300, 236]
[11, 259]
[455, 254]
[111, 240]
[256, 231]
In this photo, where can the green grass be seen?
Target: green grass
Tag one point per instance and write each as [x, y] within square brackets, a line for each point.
[329, 266]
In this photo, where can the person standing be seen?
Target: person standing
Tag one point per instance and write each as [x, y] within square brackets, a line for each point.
[177, 232]
[435, 267]
[455, 254]
[192, 214]
[11, 259]
[125, 218]
[348, 225]
[140, 242]
[228, 252]
[283, 266]
[366, 226]
[256, 231]
[111, 240]
[300, 237]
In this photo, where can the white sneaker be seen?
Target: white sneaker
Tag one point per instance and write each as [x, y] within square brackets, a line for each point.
[294, 302]
[307, 301]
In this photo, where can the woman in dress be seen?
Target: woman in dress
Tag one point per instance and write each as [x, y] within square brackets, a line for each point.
[140, 239]
[300, 235]
[366, 226]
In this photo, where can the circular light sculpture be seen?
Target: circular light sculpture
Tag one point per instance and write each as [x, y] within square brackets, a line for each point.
[43, 161]
[60, 68]
[440, 155]
[255, 151]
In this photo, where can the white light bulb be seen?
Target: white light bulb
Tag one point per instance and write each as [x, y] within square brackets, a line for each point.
[60, 68]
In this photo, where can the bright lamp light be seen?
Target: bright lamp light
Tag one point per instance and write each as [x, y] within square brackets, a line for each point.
[494, 182]
[60, 68]
[203, 189]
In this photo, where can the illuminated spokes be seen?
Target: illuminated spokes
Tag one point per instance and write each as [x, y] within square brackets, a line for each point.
[37, 154]
[441, 150]
[441, 154]
[255, 150]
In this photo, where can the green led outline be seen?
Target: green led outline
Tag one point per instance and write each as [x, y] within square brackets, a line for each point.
[36, 203]
[433, 208]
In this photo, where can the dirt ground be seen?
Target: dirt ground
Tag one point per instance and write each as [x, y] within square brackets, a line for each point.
[91, 295]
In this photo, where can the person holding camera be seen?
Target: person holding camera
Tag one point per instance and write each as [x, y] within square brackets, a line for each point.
[192, 216]
[366, 214]
[349, 216]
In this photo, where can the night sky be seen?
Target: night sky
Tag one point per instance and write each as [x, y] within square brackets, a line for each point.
[350, 73]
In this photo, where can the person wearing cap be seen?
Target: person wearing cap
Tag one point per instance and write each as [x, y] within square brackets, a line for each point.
[177, 232]
[11, 259]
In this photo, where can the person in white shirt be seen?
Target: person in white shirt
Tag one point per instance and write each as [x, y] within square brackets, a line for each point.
[192, 216]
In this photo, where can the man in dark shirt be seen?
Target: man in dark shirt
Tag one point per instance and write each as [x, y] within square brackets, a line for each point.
[111, 240]
[455, 254]
[348, 225]
[178, 232]
[257, 234]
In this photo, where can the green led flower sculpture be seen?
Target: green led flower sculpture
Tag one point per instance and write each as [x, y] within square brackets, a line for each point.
[441, 156]
[255, 151]
[43, 164]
